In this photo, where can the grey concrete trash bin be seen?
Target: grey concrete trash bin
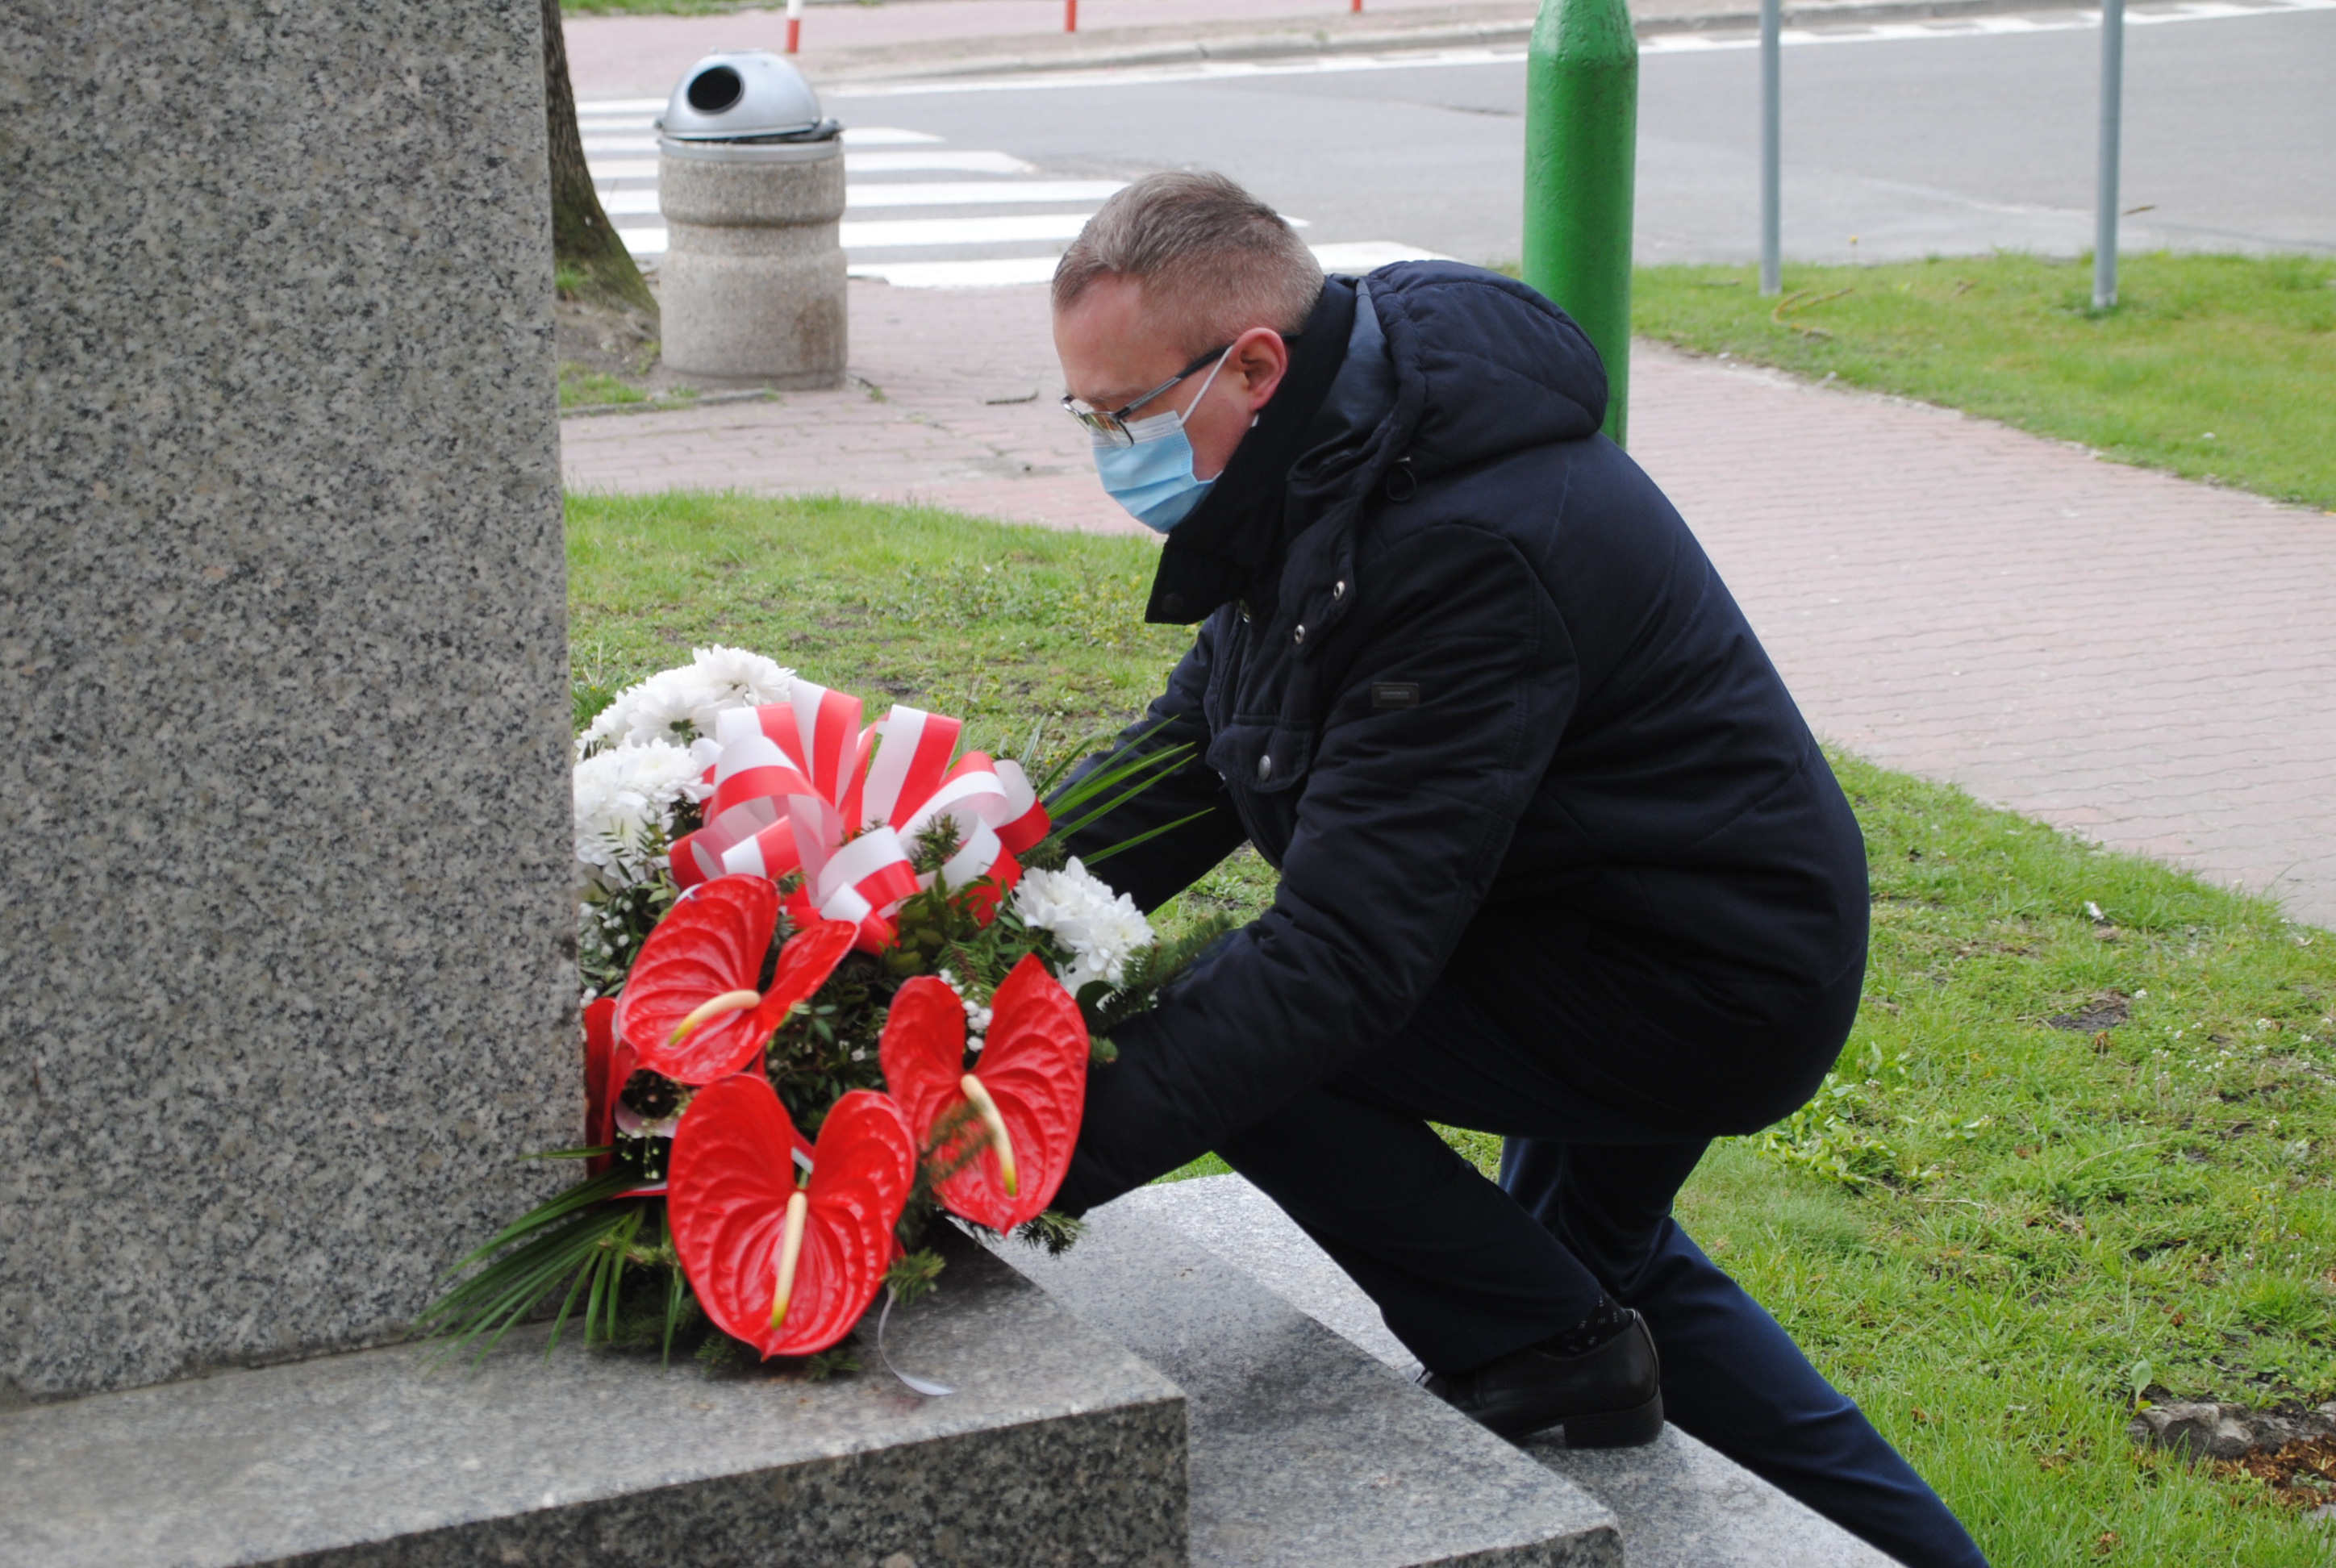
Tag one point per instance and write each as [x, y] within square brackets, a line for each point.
[750, 178]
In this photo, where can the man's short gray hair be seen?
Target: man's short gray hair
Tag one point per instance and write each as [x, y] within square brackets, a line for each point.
[1211, 260]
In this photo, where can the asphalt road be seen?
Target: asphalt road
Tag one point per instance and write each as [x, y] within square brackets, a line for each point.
[1953, 137]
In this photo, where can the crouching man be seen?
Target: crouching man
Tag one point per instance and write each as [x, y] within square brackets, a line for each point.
[1559, 858]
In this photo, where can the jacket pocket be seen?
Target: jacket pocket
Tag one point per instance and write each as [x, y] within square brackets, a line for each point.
[1262, 758]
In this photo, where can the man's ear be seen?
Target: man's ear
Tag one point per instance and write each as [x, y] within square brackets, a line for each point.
[1258, 359]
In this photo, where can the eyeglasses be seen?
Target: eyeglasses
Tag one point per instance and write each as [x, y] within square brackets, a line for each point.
[1112, 427]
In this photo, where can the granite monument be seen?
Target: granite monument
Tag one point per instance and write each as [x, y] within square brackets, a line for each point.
[288, 937]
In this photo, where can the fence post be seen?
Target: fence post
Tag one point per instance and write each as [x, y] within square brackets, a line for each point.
[2105, 198]
[1581, 132]
[1772, 148]
[1070, 16]
[794, 26]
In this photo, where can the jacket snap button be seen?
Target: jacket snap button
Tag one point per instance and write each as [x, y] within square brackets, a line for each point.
[1264, 768]
[1338, 590]
[1298, 636]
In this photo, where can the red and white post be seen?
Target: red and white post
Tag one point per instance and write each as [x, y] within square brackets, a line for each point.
[794, 26]
[1070, 16]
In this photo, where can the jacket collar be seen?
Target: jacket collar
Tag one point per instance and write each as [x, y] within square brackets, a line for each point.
[1233, 544]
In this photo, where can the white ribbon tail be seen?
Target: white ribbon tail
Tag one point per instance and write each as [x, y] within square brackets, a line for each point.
[925, 1386]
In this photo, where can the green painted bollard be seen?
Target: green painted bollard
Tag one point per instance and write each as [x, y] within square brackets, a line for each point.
[1582, 140]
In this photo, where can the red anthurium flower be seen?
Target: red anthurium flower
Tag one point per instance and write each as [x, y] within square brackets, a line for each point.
[690, 1009]
[788, 1269]
[1027, 1089]
[599, 1093]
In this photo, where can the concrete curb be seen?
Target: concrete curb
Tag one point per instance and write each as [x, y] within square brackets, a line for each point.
[662, 404]
[871, 66]
[669, 405]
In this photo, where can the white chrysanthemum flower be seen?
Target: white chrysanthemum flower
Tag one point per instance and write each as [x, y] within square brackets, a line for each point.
[1103, 930]
[678, 706]
[623, 800]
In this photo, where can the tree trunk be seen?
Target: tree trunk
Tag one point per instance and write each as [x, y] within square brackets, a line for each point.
[585, 245]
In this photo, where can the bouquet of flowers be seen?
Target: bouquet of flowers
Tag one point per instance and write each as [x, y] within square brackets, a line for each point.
[836, 977]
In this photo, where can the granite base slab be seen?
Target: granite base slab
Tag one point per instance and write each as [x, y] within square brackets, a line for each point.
[1685, 1505]
[1305, 1451]
[1058, 1448]
[1681, 1503]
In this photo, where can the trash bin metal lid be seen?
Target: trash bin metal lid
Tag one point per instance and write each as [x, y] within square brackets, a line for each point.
[739, 93]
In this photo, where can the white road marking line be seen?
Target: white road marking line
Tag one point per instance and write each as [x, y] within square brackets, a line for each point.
[607, 168]
[1977, 26]
[1210, 71]
[975, 193]
[994, 273]
[860, 196]
[953, 160]
[633, 132]
[1352, 259]
[887, 233]
[1356, 256]
[597, 108]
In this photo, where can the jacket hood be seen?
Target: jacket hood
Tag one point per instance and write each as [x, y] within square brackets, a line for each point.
[1435, 366]
[1483, 366]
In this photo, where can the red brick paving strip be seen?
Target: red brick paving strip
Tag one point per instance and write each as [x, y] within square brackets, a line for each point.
[619, 56]
[2149, 661]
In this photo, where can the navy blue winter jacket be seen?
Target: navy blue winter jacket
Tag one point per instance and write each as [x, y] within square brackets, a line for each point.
[1467, 679]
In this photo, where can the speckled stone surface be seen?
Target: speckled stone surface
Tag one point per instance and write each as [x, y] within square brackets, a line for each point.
[1058, 1451]
[1305, 1451]
[286, 976]
[1682, 1504]
[1686, 1505]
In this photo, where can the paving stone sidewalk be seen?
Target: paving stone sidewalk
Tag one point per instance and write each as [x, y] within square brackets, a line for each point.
[2149, 661]
[629, 55]
[622, 55]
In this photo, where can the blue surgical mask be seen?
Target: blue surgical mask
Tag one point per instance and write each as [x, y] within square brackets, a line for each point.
[1154, 478]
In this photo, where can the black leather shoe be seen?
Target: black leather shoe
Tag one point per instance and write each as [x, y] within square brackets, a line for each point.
[1608, 1397]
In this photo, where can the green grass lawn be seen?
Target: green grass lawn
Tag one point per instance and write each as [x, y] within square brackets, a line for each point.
[1005, 628]
[1993, 1231]
[2211, 366]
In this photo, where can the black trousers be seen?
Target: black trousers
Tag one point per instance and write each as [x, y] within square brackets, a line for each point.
[1464, 1271]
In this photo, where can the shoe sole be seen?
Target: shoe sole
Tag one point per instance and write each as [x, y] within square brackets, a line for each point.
[1631, 1429]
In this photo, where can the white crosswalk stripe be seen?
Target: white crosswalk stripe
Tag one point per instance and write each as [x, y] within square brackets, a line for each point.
[968, 193]
[940, 251]
[939, 160]
[896, 233]
[856, 197]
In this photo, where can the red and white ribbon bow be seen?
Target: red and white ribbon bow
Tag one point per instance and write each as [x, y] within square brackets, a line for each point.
[800, 786]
